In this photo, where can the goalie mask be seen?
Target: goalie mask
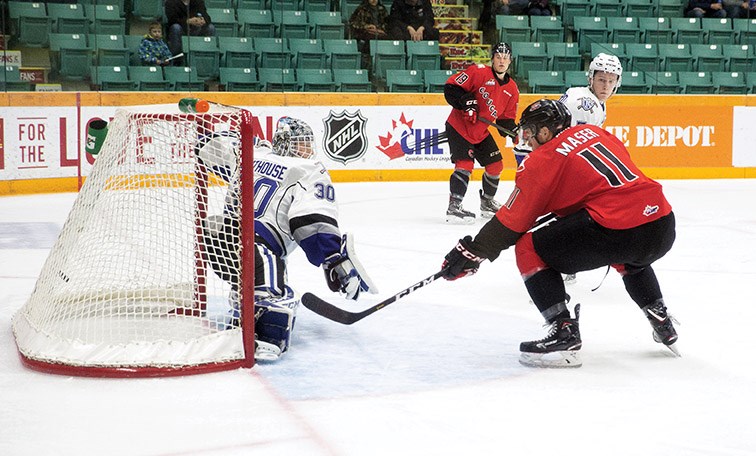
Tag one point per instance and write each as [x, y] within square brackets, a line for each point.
[552, 114]
[293, 138]
[608, 64]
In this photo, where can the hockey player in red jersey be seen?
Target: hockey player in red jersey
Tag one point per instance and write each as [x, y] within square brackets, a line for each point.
[480, 91]
[608, 213]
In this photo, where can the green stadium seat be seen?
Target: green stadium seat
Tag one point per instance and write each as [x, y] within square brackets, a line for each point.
[708, 57]
[633, 82]
[70, 56]
[149, 78]
[669, 8]
[221, 4]
[693, 82]
[574, 8]
[111, 50]
[529, 56]
[315, 80]
[132, 44]
[326, 25]
[285, 5]
[563, 57]
[546, 81]
[105, 19]
[272, 53]
[183, 79]
[277, 79]
[655, 30]
[10, 80]
[342, 54]
[643, 57]
[423, 55]
[224, 20]
[745, 31]
[347, 7]
[607, 8]
[120, 4]
[30, 24]
[717, 31]
[663, 82]
[352, 80]
[307, 53]
[237, 52]
[239, 79]
[291, 24]
[638, 8]
[623, 29]
[67, 17]
[739, 57]
[686, 30]
[546, 29]
[256, 23]
[151, 10]
[387, 55]
[751, 82]
[435, 80]
[250, 4]
[676, 57]
[590, 29]
[726, 82]
[575, 78]
[513, 28]
[112, 78]
[316, 5]
[405, 81]
[203, 55]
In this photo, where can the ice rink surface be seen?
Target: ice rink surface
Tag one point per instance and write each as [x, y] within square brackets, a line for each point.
[435, 373]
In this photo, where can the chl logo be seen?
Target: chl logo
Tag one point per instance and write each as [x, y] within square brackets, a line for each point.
[345, 138]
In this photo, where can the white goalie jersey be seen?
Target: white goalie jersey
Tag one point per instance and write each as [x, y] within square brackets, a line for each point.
[295, 204]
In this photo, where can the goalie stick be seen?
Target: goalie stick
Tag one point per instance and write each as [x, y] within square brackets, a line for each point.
[339, 315]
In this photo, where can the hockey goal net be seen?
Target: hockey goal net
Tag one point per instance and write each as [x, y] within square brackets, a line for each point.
[128, 289]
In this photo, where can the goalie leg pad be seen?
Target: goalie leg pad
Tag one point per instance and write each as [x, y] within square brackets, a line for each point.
[274, 323]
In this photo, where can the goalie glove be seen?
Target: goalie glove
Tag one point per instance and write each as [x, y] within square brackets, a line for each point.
[345, 274]
[462, 261]
[470, 107]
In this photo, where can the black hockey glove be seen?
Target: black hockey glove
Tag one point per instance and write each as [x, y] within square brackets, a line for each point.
[470, 107]
[462, 261]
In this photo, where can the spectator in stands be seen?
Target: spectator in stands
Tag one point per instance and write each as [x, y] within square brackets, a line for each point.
[539, 8]
[707, 8]
[153, 50]
[493, 8]
[740, 9]
[412, 20]
[368, 22]
[186, 17]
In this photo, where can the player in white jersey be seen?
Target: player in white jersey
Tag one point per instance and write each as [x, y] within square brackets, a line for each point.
[295, 205]
[587, 105]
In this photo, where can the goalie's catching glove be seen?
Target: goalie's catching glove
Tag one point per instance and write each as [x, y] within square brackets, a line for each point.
[345, 274]
[462, 261]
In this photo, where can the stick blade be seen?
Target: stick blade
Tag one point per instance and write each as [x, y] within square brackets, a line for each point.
[328, 310]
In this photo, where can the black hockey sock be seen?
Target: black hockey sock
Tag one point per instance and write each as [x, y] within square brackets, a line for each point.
[642, 286]
[458, 182]
[546, 289]
[490, 185]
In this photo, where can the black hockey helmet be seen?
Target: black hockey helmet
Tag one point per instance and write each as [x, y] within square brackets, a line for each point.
[552, 114]
[501, 48]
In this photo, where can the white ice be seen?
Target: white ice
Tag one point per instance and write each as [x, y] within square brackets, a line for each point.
[435, 373]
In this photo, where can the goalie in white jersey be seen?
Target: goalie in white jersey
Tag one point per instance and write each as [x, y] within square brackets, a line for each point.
[295, 205]
[587, 105]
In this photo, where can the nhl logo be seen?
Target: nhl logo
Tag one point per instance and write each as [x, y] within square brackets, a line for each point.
[345, 139]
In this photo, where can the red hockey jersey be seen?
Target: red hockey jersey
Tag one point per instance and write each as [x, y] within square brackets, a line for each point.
[495, 100]
[583, 167]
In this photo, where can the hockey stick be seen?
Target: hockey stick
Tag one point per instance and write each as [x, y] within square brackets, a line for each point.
[507, 132]
[339, 315]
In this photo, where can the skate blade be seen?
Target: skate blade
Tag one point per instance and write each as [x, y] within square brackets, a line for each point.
[673, 349]
[559, 359]
[487, 215]
[569, 279]
[454, 220]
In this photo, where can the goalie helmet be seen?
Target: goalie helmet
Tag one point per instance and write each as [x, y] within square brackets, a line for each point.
[293, 138]
[608, 64]
[552, 114]
[502, 48]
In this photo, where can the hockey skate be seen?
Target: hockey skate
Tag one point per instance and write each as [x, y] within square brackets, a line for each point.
[488, 206]
[457, 214]
[662, 324]
[569, 279]
[560, 347]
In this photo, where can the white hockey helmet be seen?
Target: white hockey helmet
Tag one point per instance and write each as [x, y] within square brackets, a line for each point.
[293, 138]
[607, 63]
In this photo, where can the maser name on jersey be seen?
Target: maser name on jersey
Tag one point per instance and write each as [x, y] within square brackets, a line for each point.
[576, 139]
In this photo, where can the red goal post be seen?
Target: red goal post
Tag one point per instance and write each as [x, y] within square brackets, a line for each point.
[129, 288]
